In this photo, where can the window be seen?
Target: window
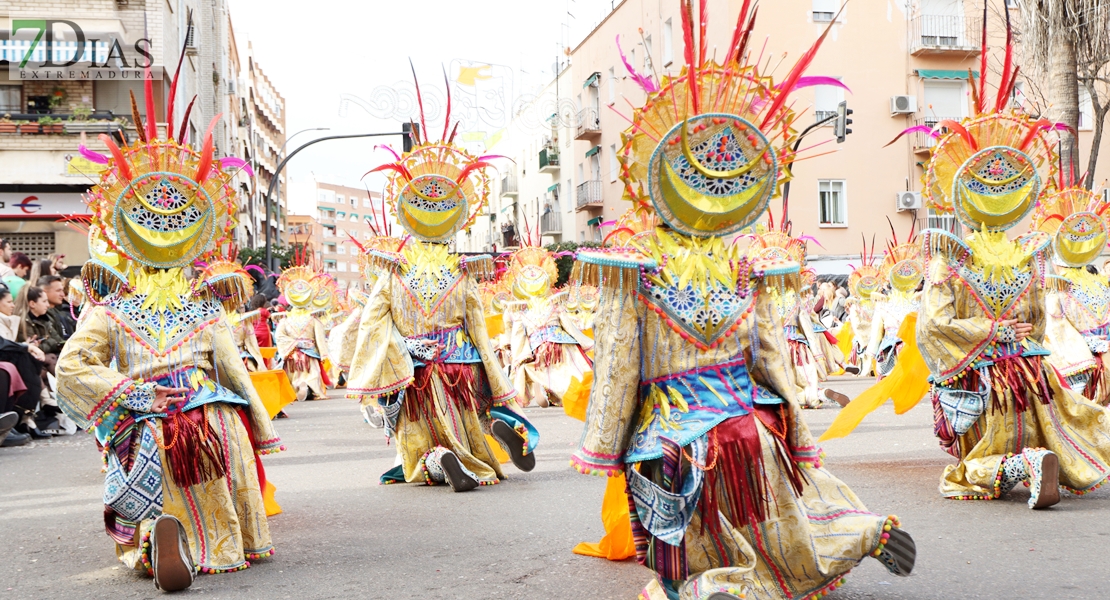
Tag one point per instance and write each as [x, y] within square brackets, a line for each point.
[647, 54]
[329, 248]
[825, 100]
[833, 202]
[668, 43]
[354, 218]
[342, 267]
[329, 230]
[824, 10]
[367, 203]
[613, 168]
[1086, 110]
[342, 249]
[581, 173]
[10, 99]
[595, 167]
[570, 191]
[612, 86]
[941, 220]
[354, 202]
[944, 100]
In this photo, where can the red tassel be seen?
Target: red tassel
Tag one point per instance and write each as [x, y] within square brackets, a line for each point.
[194, 453]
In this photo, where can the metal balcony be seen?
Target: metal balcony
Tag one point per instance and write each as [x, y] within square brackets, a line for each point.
[941, 34]
[509, 186]
[589, 124]
[588, 195]
[551, 222]
[923, 142]
[549, 159]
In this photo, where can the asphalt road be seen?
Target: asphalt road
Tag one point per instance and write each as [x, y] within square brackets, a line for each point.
[344, 536]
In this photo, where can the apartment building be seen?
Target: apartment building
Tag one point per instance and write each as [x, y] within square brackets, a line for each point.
[344, 213]
[266, 135]
[44, 121]
[906, 63]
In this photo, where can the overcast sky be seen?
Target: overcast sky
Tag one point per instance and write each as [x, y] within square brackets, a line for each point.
[322, 50]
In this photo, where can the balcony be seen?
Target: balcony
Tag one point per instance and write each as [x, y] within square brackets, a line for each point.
[944, 34]
[589, 124]
[588, 195]
[549, 159]
[923, 142]
[551, 222]
[509, 185]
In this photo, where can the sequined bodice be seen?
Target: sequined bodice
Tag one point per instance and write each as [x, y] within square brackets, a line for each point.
[161, 326]
[998, 294]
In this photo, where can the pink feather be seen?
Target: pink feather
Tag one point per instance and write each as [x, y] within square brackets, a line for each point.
[91, 156]
[121, 164]
[234, 162]
[796, 73]
[390, 150]
[915, 129]
[646, 83]
[815, 80]
[396, 167]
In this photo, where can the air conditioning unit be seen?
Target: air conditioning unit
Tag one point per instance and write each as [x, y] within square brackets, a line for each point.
[903, 105]
[908, 201]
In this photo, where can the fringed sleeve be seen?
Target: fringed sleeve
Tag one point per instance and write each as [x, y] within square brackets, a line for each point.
[1070, 354]
[614, 398]
[381, 365]
[568, 325]
[343, 339]
[949, 342]
[250, 344]
[89, 390]
[768, 357]
[475, 323]
[231, 373]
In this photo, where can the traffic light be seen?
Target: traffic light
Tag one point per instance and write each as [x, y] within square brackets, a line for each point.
[407, 130]
[842, 122]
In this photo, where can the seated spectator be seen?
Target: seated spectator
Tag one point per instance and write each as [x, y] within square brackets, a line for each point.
[21, 368]
[20, 266]
[38, 328]
[55, 290]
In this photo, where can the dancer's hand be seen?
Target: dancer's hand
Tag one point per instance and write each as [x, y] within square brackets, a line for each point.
[1021, 330]
[163, 396]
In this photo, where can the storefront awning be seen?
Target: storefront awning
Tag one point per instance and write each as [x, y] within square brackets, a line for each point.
[944, 74]
[594, 222]
[593, 151]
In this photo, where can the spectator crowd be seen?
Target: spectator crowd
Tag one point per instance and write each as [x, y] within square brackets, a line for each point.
[36, 320]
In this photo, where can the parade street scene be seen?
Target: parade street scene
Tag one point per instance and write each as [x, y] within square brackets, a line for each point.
[567, 300]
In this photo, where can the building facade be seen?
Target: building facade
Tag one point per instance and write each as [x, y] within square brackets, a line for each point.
[906, 64]
[45, 120]
[265, 122]
[344, 214]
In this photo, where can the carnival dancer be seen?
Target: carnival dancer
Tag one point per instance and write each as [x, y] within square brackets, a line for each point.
[830, 360]
[423, 351]
[153, 371]
[903, 271]
[692, 396]
[863, 281]
[546, 348]
[301, 342]
[1078, 300]
[998, 406]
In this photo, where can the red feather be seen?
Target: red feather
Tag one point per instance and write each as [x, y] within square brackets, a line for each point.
[173, 89]
[151, 113]
[688, 52]
[470, 168]
[747, 34]
[1034, 129]
[739, 33]
[396, 167]
[185, 121]
[981, 105]
[204, 168]
[454, 130]
[1007, 64]
[797, 72]
[959, 129]
[447, 116]
[419, 101]
[121, 164]
[703, 43]
[361, 248]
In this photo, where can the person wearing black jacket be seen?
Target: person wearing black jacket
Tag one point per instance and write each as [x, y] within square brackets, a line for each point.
[54, 287]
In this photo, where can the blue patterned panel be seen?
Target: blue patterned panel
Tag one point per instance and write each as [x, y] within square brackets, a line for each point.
[455, 350]
[722, 152]
[551, 333]
[705, 314]
[665, 514]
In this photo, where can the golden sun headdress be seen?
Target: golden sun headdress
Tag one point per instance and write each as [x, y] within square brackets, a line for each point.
[989, 168]
[531, 273]
[865, 278]
[438, 188]
[300, 283]
[904, 264]
[159, 202]
[710, 146]
[1079, 223]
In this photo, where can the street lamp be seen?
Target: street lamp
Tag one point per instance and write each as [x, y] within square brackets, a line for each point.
[281, 155]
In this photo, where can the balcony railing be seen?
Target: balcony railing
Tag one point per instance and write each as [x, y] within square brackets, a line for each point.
[28, 123]
[551, 222]
[509, 186]
[922, 141]
[932, 34]
[821, 115]
[588, 194]
[589, 123]
[549, 159]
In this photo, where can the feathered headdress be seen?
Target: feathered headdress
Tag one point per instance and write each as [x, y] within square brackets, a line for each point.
[710, 146]
[865, 278]
[903, 266]
[531, 273]
[222, 279]
[298, 283]
[438, 188]
[1079, 223]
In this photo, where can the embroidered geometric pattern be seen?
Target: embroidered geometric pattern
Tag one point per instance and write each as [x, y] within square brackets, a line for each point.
[136, 495]
[705, 313]
[428, 291]
[161, 329]
[997, 295]
[721, 152]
